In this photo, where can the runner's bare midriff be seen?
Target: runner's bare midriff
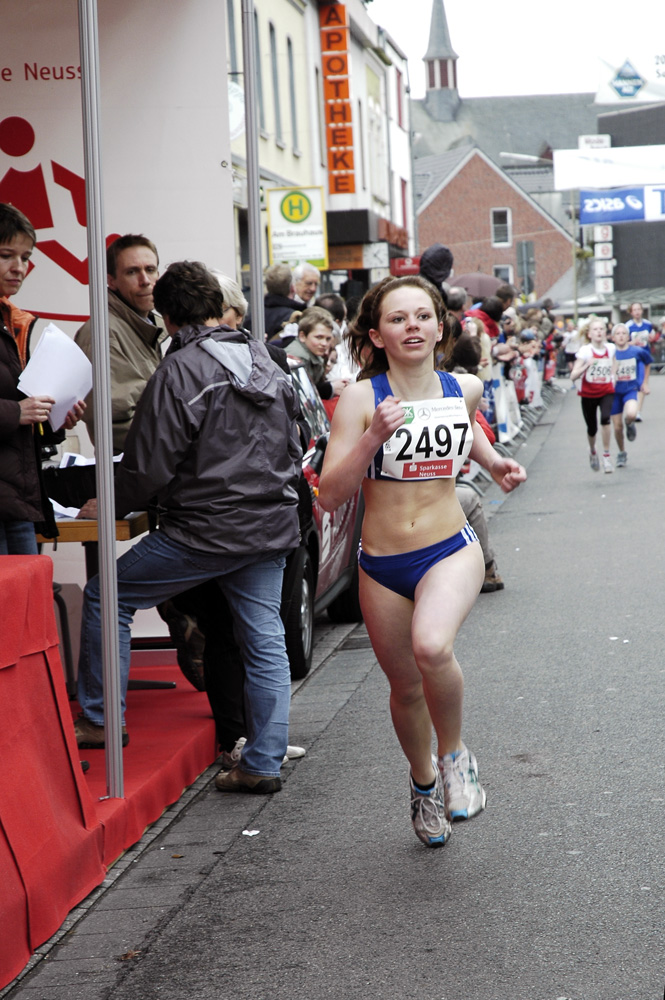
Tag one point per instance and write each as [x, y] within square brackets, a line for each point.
[401, 517]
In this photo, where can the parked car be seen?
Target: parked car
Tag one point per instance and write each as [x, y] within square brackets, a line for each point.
[322, 574]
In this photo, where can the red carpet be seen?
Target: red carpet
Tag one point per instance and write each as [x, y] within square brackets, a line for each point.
[56, 836]
[171, 741]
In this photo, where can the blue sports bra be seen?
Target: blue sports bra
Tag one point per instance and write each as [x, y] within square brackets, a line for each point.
[381, 386]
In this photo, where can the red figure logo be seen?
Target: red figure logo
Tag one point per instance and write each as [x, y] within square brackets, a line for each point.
[27, 191]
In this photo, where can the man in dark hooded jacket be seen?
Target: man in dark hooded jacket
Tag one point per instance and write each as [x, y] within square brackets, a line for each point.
[215, 440]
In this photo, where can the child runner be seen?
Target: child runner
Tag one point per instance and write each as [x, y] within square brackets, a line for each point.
[403, 431]
[642, 334]
[595, 363]
[632, 375]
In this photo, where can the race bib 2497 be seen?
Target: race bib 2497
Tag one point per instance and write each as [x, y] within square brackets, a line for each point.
[433, 442]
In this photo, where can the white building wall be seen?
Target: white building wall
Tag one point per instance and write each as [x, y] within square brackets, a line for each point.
[164, 137]
[397, 78]
[286, 155]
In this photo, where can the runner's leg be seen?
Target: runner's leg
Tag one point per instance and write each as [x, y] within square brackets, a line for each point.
[388, 618]
[444, 597]
[414, 646]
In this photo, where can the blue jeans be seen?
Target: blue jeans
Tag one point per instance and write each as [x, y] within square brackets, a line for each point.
[17, 538]
[157, 568]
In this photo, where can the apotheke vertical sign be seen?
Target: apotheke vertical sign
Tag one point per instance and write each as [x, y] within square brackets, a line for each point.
[334, 26]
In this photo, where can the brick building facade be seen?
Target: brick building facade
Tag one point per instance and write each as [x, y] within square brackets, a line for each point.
[492, 225]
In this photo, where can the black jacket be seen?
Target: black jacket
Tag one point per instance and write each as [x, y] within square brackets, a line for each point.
[277, 310]
[215, 439]
[21, 492]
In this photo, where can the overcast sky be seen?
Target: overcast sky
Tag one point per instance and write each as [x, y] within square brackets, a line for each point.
[522, 47]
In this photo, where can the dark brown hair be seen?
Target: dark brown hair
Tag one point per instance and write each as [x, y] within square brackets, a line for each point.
[14, 223]
[371, 359]
[189, 294]
[124, 243]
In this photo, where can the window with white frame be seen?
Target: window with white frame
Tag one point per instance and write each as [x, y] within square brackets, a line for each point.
[399, 86]
[502, 227]
[279, 138]
[361, 148]
[233, 52]
[259, 75]
[504, 272]
[404, 187]
[321, 117]
[292, 97]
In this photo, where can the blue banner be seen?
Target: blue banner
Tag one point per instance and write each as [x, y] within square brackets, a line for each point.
[625, 205]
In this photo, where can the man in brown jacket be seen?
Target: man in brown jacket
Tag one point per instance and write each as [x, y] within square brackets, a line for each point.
[135, 333]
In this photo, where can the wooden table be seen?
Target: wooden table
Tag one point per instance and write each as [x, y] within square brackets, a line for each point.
[86, 532]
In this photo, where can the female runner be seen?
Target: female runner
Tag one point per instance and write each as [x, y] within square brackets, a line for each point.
[596, 363]
[403, 431]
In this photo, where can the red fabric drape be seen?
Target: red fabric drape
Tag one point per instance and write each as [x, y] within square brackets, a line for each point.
[51, 842]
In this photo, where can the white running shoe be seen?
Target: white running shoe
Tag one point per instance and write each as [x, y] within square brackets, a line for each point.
[464, 795]
[594, 461]
[622, 459]
[428, 812]
[607, 464]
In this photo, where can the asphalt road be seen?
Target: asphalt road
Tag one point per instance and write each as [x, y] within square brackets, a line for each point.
[555, 892]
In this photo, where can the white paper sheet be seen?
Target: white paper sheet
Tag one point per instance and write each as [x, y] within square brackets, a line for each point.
[74, 458]
[58, 368]
[70, 458]
[63, 513]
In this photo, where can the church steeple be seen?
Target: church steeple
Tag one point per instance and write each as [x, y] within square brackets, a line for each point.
[442, 98]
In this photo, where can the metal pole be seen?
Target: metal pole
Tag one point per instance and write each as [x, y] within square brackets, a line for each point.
[89, 50]
[249, 47]
[573, 211]
[412, 164]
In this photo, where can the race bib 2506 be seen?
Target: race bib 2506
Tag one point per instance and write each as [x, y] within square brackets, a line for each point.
[600, 370]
